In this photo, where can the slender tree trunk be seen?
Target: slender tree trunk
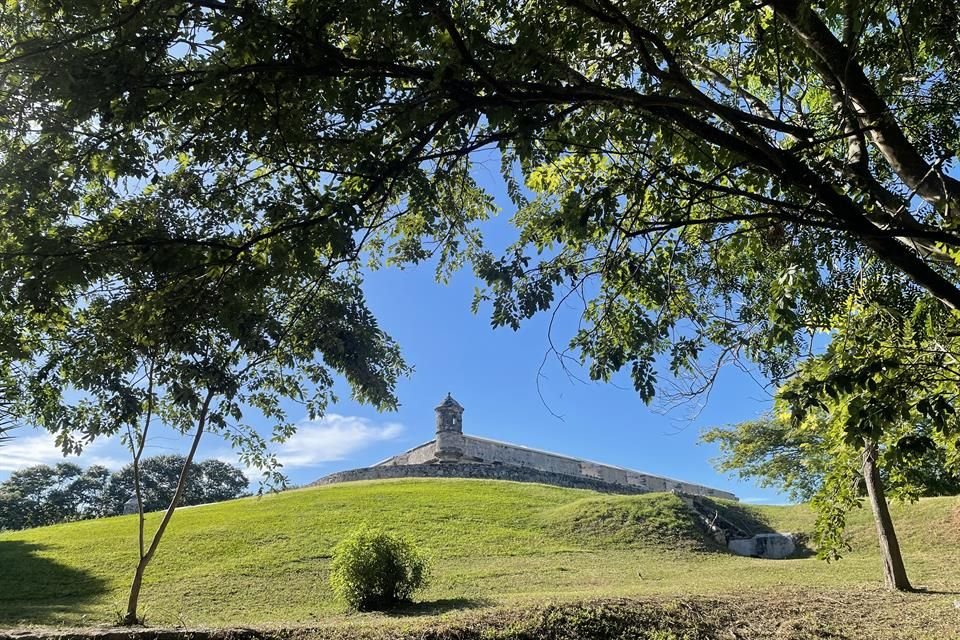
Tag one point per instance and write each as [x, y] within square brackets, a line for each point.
[141, 445]
[894, 572]
[131, 617]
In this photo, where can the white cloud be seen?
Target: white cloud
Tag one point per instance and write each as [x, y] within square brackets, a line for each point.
[333, 437]
[24, 450]
[114, 464]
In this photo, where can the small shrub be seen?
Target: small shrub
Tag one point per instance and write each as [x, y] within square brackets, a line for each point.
[374, 570]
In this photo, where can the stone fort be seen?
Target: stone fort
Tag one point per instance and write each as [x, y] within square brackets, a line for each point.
[453, 454]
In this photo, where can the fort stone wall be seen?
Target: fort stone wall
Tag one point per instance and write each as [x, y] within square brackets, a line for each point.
[477, 471]
[491, 451]
[426, 452]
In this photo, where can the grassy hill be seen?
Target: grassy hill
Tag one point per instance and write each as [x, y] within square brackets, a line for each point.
[263, 561]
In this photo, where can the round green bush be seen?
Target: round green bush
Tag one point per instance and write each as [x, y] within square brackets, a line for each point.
[373, 570]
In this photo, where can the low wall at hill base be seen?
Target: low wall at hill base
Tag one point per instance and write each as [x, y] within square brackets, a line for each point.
[479, 471]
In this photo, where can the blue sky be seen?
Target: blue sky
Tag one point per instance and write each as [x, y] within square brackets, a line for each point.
[501, 378]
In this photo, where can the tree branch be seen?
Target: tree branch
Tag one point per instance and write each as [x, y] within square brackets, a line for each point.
[872, 111]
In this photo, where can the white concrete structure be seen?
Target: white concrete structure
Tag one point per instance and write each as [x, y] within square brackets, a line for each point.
[772, 546]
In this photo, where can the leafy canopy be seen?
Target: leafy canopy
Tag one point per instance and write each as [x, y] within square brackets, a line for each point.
[713, 180]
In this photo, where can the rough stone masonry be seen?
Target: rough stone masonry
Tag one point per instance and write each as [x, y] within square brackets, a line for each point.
[452, 454]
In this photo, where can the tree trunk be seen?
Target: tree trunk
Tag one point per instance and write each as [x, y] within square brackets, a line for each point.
[131, 617]
[894, 573]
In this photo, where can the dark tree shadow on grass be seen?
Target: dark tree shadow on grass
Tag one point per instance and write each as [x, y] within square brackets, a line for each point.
[436, 607]
[734, 517]
[922, 590]
[751, 521]
[38, 590]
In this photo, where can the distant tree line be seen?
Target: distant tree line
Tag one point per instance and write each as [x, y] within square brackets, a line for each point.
[44, 494]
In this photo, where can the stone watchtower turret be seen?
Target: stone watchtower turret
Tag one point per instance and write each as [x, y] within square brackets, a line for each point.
[449, 430]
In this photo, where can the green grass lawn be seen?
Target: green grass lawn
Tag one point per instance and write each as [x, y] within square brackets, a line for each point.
[264, 561]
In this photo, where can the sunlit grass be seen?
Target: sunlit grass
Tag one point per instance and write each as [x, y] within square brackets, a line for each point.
[264, 560]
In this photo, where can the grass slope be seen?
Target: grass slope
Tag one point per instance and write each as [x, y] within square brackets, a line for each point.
[494, 544]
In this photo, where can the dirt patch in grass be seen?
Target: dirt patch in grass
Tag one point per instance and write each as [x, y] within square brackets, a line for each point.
[785, 615]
